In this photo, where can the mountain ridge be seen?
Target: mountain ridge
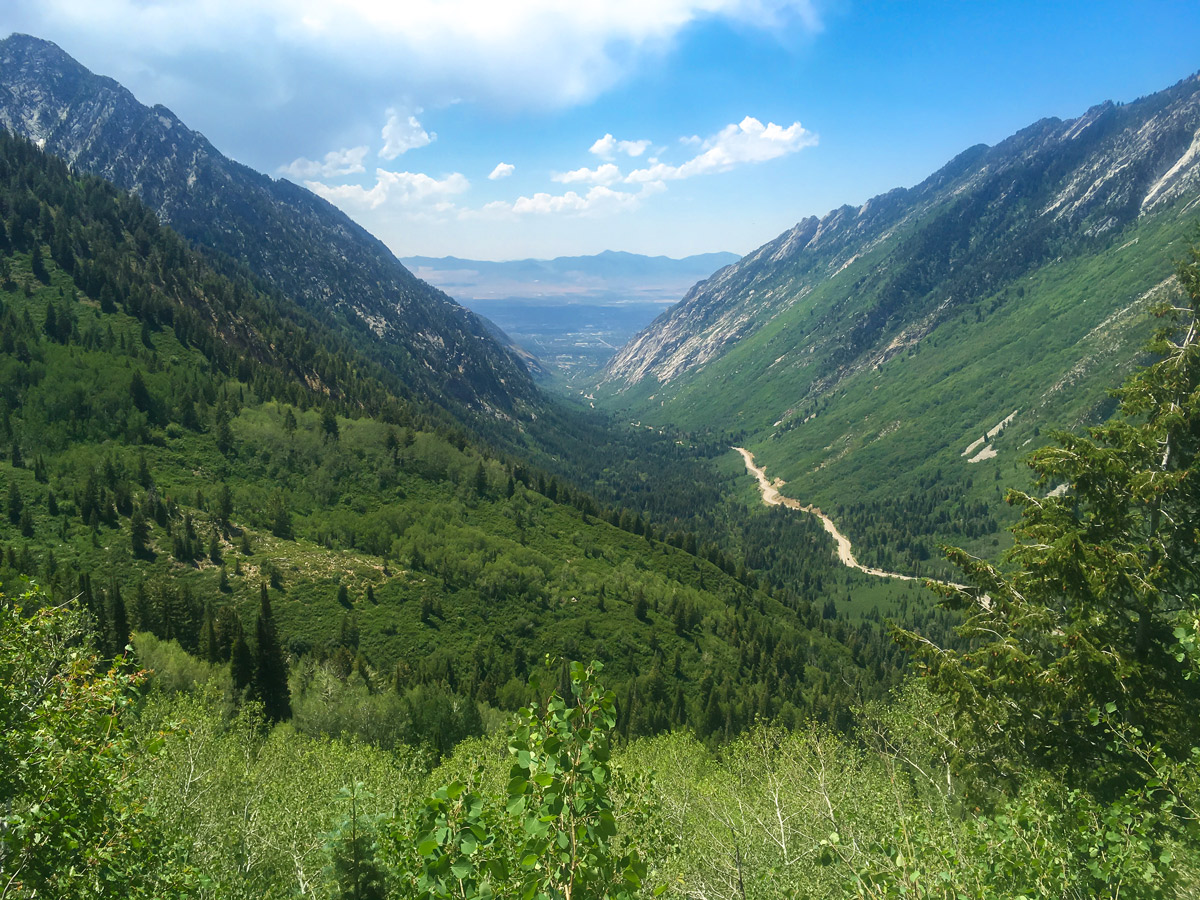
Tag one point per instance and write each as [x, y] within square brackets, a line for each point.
[297, 242]
[858, 353]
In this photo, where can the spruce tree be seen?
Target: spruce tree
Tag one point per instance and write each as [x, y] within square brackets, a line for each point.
[241, 660]
[139, 531]
[206, 648]
[270, 667]
[1095, 618]
[15, 504]
[118, 621]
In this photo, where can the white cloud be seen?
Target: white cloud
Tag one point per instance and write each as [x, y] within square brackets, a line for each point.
[410, 189]
[520, 53]
[598, 201]
[401, 134]
[608, 147]
[335, 163]
[604, 174]
[502, 170]
[749, 141]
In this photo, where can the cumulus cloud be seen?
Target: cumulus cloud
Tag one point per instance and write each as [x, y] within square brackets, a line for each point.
[502, 170]
[604, 174]
[749, 141]
[403, 133]
[409, 189]
[608, 147]
[335, 164]
[598, 201]
[520, 53]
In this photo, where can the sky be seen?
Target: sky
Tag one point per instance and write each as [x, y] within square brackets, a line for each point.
[488, 129]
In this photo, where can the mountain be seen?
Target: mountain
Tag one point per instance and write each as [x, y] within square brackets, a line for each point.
[298, 243]
[612, 276]
[179, 445]
[572, 312]
[892, 360]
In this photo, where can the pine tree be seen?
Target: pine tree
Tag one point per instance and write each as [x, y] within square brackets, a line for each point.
[270, 667]
[139, 393]
[1098, 616]
[224, 508]
[280, 515]
[354, 865]
[139, 531]
[15, 504]
[241, 660]
[329, 425]
[118, 621]
[206, 648]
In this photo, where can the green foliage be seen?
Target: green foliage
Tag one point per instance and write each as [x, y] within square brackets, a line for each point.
[270, 686]
[73, 823]
[1103, 578]
[557, 836]
[352, 847]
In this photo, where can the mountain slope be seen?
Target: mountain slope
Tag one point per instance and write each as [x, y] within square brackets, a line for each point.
[176, 444]
[300, 244]
[862, 354]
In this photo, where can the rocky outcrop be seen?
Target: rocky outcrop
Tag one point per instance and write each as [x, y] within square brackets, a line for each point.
[299, 244]
[913, 256]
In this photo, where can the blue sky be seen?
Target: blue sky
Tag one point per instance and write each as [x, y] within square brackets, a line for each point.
[501, 130]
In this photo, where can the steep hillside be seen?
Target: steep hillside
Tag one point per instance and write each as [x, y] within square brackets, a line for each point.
[875, 358]
[300, 244]
[178, 444]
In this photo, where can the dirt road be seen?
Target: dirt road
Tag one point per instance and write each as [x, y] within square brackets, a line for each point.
[772, 497]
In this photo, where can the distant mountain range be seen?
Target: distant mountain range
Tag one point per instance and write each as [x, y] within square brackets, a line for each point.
[863, 353]
[296, 242]
[609, 277]
[568, 315]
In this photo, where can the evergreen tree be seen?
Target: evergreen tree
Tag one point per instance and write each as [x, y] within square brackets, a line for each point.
[280, 516]
[15, 504]
[224, 507]
[329, 425]
[206, 648]
[224, 434]
[241, 660]
[139, 393]
[270, 667]
[354, 866]
[118, 621]
[139, 531]
[1098, 618]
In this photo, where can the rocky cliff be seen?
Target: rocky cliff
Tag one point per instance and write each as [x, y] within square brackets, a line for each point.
[295, 241]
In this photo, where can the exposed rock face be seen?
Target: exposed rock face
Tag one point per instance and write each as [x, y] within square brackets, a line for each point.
[298, 243]
[988, 216]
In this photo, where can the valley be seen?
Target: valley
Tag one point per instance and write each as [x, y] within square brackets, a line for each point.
[863, 565]
[772, 497]
[570, 313]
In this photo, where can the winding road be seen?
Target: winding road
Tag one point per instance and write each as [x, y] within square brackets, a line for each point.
[772, 497]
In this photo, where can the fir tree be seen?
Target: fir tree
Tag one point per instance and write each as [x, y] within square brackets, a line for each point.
[118, 621]
[15, 504]
[329, 425]
[206, 648]
[270, 667]
[241, 660]
[139, 393]
[354, 866]
[139, 531]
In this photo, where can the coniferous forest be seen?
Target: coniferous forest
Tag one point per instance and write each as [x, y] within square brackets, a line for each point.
[274, 626]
